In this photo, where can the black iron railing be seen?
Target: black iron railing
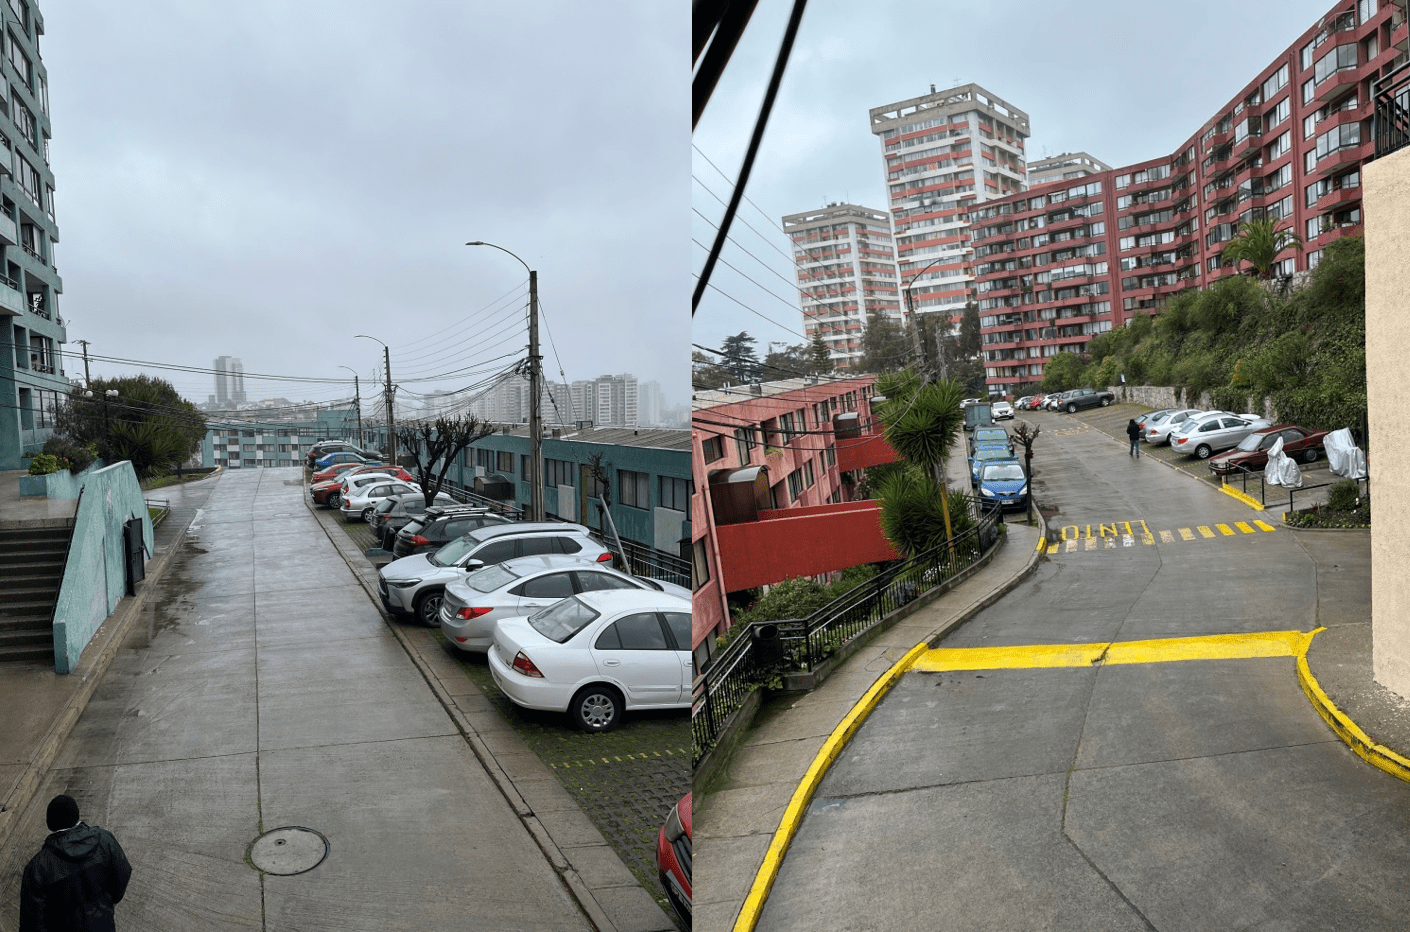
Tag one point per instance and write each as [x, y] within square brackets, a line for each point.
[1253, 478]
[763, 649]
[1390, 123]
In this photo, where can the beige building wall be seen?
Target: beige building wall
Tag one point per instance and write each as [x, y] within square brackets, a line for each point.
[1386, 201]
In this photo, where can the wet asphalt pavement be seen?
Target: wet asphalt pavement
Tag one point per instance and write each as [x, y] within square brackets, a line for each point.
[261, 689]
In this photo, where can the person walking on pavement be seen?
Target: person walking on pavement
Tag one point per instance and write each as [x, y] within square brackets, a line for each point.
[1133, 430]
[76, 879]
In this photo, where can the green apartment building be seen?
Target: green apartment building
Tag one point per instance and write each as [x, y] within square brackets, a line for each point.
[32, 380]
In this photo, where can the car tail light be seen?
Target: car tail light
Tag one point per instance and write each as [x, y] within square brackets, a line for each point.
[604, 558]
[526, 666]
[469, 612]
[1182, 439]
[417, 540]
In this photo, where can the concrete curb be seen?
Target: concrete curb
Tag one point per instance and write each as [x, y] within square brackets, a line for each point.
[578, 888]
[1377, 755]
[108, 638]
[837, 741]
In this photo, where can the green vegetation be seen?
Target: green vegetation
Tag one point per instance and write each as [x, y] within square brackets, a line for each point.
[1241, 342]
[145, 422]
[1258, 243]
[798, 598]
[1346, 507]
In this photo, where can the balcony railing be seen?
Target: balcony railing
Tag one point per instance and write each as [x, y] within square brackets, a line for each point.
[1390, 124]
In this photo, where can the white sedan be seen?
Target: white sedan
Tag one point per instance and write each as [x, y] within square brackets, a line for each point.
[596, 655]
[1000, 410]
[357, 504]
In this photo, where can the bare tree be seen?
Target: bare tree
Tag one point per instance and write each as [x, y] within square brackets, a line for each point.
[1026, 434]
[434, 446]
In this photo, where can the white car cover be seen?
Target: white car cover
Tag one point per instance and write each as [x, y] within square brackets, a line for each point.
[1344, 456]
[1280, 469]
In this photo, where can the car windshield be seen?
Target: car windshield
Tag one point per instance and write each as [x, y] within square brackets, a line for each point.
[491, 578]
[999, 454]
[560, 621]
[1251, 442]
[990, 435]
[1003, 472]
[454, 551]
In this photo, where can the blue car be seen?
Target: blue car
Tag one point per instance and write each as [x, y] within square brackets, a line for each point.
[323, 462]
[1001, 483]
[982, 456]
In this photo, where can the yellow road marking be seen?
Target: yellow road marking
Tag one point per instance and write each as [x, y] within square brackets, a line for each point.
[1265, 526]
[1204, 531]
[1225, 530]
[1186, 534]
[1163, 650]
[1147, 539]
[1042, 544]
[1166, 537]
[1090, 543]
[1244, 526]
[1071, 546]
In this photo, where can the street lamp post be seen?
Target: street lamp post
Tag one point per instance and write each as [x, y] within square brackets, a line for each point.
[915, 321]
[357, 400]
[535, 402]
[391, 420]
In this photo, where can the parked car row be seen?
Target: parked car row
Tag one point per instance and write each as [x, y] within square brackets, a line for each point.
[327, 452]
[995, 473]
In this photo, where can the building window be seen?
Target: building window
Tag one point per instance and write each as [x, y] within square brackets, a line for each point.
[634, 488]
[712, 448]
[18, 59]
[795, 485]
[700, 565]
[504, 462]
[559, 472]
[744, 444]
[675, 493]
[1309, 88]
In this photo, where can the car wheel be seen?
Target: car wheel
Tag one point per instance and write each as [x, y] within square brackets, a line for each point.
[1072, 408]
[428, 608]
[333, 500]
[366, 514]
[1310, 456]
[1105, 402]
[1202, 451]
[596, 708]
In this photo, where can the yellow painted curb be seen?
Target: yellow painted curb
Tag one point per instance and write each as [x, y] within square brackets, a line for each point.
[1248, 500]
[1159, 650]
[1377, 755]
[793, 815]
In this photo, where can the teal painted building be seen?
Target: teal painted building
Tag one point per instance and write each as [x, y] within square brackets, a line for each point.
[32, 380]
[648, 470]
[233, 442]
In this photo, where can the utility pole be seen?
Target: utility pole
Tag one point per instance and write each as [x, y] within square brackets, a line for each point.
[391, 419]
[535, 404]
[357, 400]
[84, 344]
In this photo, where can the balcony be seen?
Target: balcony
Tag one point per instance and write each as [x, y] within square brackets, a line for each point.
[1337, 84]
[866, 449]
[9, 235]
[1343, 158]
[11, 301]
[801, 542]
[1339, 197]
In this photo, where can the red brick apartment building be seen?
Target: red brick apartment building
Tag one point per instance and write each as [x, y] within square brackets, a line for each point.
[770, 499]
[1058, 263]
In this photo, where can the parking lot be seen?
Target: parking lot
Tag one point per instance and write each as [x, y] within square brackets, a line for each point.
[625, 780]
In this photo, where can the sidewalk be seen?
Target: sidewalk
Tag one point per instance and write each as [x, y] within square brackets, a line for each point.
[736, 823]
[251, 685]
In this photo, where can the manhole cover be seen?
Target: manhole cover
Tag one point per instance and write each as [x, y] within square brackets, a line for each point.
[289, 850]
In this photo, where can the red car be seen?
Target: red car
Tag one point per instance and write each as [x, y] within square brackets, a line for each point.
[674, 857]
[1299, 443]
[332, 472]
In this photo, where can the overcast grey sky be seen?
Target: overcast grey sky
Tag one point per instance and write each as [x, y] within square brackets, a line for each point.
[1124, 81]
[267, 179]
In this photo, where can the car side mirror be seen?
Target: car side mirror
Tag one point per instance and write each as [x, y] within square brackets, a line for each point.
[471, 565]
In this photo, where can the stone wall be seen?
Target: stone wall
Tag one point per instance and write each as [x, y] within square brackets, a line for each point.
[1159, 396]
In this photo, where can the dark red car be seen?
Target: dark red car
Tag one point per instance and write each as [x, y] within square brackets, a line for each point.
[1299, 443]
[332, 472]
[674, 857]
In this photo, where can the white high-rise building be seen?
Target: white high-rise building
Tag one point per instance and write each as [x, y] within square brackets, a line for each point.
[846, 263]
[945, 152]
[607, 401]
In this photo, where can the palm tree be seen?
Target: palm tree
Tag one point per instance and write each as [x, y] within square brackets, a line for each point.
[1259, 243]
[921, 425]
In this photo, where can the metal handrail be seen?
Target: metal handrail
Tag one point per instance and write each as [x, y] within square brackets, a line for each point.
[1390, 119]
[722, 687]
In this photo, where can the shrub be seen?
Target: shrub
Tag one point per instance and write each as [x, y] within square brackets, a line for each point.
[78, 457]
[1343, 496]
[43, 464]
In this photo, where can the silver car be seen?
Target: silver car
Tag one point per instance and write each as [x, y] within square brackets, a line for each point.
[522, 586]
[416, 583]
[1157, 430]
[1203, 436]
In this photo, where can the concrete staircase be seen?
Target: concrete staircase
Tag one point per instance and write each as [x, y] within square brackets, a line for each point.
[31, 568]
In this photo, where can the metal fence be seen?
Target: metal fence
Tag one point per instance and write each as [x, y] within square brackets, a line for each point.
[1275, 494]
[1390, 122]
[760, 650]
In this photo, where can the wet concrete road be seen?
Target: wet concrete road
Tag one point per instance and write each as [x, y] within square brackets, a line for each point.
[262, 689]
[1188, 795]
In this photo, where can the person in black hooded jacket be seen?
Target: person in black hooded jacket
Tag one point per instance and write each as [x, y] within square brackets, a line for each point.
[76, 879]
